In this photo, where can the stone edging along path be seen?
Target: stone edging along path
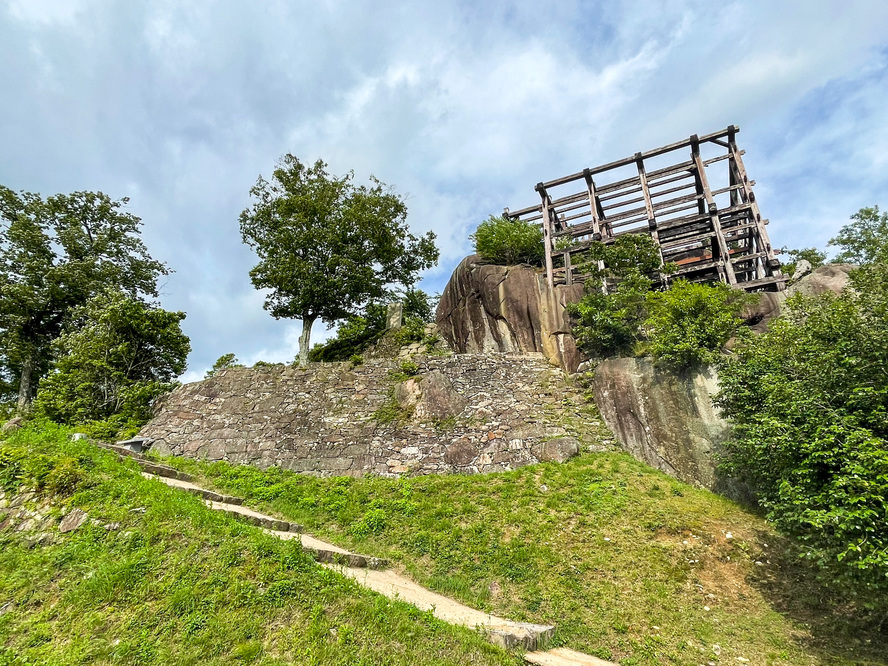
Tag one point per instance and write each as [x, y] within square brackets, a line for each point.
[372, 573]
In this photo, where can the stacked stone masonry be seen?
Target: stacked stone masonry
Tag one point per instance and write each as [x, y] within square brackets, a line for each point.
[328, 419]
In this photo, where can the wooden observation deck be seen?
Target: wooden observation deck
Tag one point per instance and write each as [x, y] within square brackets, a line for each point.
[693, 198]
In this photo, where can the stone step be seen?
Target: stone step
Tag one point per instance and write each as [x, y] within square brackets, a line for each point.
[166, 472]
[321, 551]
[564, 657]
[265, 522]
[146, 464]
[371, 572]
[503, 632]
[208, 494]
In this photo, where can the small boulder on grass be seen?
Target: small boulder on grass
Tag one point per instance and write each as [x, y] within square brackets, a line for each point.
[13, 424]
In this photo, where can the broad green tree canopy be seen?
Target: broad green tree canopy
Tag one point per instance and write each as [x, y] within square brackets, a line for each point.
[55, 254]
[326, 246]
[116, 354]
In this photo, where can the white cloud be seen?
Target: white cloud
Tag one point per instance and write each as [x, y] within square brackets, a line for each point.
[462, 107]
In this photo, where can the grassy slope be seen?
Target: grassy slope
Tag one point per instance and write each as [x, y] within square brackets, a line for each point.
[180, 584]
[629, 563]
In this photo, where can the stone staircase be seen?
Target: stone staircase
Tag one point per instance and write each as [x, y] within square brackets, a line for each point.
[373, 573]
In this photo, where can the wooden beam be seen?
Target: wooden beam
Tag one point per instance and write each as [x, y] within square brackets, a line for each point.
[547, 232]
[650, 153]
[764, 241]
[724, 253]
[649, 208]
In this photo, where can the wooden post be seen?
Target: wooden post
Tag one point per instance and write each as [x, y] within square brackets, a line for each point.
[764, 241]
[703, 184]
[568, 272]
[595, 209]
[648, 205]
[547, 234]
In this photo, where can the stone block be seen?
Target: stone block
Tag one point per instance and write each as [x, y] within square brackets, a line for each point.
[75, 519]
[556, 450]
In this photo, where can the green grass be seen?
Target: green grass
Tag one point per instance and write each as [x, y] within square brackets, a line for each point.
[177, 583]
[630, 564]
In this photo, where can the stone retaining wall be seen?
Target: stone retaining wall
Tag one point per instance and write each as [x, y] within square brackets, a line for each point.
[331, 419]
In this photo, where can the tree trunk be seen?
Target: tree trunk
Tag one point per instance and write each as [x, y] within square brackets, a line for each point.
[304, 337]
[23, 406]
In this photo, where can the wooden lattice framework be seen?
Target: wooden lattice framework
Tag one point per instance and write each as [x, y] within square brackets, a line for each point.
[702, 216]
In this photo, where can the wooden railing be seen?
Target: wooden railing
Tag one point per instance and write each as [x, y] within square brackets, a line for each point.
[712, 233]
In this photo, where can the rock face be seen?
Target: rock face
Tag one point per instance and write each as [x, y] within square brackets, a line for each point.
[431, 397]
[663, 419]
[486, 308]
[463, 413]
[829, 278]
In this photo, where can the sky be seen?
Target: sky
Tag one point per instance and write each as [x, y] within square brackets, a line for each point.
[461, 106]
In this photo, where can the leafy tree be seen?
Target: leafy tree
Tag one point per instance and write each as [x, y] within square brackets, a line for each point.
[808, 403]
[865, 240]
[501, 240]
[689, 324]
[609, 318]
[225, 361]
[116, 355]
[326, 246]
[55, 254]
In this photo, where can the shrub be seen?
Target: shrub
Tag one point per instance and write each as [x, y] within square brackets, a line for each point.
[608, 319]
[610, 324]
[225, 361]
[807, 400]
[413, 330]
[501, 240]
[372, 522]
[689, 323]
[357, 333]
[65, 477]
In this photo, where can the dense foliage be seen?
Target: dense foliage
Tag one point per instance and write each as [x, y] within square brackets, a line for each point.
[609, 318]
[56, 254]
[808, 401]
[358, 332]
[115, 357]
[501, 240]
[865, 239]
[683, 326]
[327, 247]
[689, 324]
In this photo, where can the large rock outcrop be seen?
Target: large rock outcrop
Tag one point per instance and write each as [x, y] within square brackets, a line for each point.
[487, 308]
[830, 278]
[664, 419]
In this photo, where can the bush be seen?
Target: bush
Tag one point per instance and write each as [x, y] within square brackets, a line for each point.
[610, 324]
[413, 330]
[225, 361]
[500, 240]
[608, 319]
[357, 333]
[689, 323]
[808, 403]
[353, 336]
